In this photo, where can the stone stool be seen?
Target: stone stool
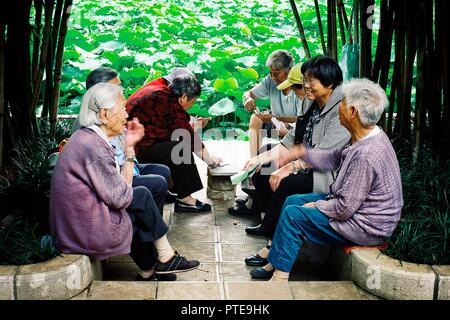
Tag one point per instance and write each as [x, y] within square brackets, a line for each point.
[219, 185]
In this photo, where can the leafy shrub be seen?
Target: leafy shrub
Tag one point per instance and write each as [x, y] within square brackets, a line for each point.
[24, 196]
[423, 234]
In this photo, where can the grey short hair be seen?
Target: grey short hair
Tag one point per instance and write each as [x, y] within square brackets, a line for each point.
[186, 85]
[100, 96]
[368, 97]
[280, 60]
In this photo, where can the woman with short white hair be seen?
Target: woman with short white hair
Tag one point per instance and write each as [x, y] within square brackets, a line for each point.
[93, 208]
[365, 201]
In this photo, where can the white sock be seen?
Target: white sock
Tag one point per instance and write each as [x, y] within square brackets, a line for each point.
[281, 276]
[147, 273]
[165, 251]
[263, 253]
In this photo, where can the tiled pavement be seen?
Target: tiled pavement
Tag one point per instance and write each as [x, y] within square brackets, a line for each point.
[220, 243]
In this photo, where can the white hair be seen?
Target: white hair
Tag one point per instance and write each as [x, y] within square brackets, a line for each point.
[366, 96]
[100, 96]
[280, 60]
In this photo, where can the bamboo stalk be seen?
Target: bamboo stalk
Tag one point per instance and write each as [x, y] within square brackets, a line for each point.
[56, 25]
[341, 8]
[319, 21]
[365, 54]
[332, 30]
[382, 37]
[442, 33]
[58, 66]
[341, 25]
[48, 82]
[300, 28]
[400, 59]
[36, 38]
[386, 57]
[2, 86]
[411, 49]
[44, 48]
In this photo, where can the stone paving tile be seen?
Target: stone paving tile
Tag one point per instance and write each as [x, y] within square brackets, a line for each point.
[189, 234]
[223, 205]
[167, 213]
[321, 290]
[190, 291]
[235, 271]
[203, 252]
[122, 290]
[205, 272]
[237, 234]
[257, 290]
[125, 271]
[238, 252]
[223, 218]
[192, 219]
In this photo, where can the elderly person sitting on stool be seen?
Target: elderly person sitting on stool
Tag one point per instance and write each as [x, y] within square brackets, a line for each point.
[365, 201]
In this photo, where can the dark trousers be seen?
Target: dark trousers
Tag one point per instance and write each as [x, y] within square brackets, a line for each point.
[271, 203]
[185, 176]
[148, 226]
[155, 177]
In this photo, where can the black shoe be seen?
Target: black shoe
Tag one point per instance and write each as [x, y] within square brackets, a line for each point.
[256, 261]
[241, 210]
[176, 264]
[254, 231]
[170, 197]
[198, 207]
[242, 201]
[158, 277]
[261, 274]
[251, 192]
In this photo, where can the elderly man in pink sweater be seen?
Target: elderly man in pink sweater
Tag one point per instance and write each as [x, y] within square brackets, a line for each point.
[364, 204]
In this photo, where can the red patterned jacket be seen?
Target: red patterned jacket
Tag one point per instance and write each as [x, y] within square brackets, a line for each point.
[158, 110]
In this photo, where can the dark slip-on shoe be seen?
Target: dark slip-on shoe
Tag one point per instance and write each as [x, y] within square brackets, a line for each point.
[199, 206]
[256, 261]
[254, 231]
[261, 274]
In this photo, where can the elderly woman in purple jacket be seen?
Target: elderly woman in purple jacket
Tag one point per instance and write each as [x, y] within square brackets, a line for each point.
[365, 200]
[93, 208]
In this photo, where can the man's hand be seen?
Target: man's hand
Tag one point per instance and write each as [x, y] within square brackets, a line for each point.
[135, 132]
[249, 103]
[278, 176]
[309, 205]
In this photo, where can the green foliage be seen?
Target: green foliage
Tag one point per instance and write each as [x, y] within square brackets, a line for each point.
[224, 43]
[422, 235]
[24, 196]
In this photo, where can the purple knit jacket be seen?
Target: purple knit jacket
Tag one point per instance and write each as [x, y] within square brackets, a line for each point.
[366, 197]
[88, 198]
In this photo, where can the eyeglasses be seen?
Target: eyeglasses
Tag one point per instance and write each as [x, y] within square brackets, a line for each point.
[275, 74]
[309, 82]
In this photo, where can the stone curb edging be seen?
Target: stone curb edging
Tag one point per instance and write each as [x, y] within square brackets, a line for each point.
[392, 279]
[60, 278]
